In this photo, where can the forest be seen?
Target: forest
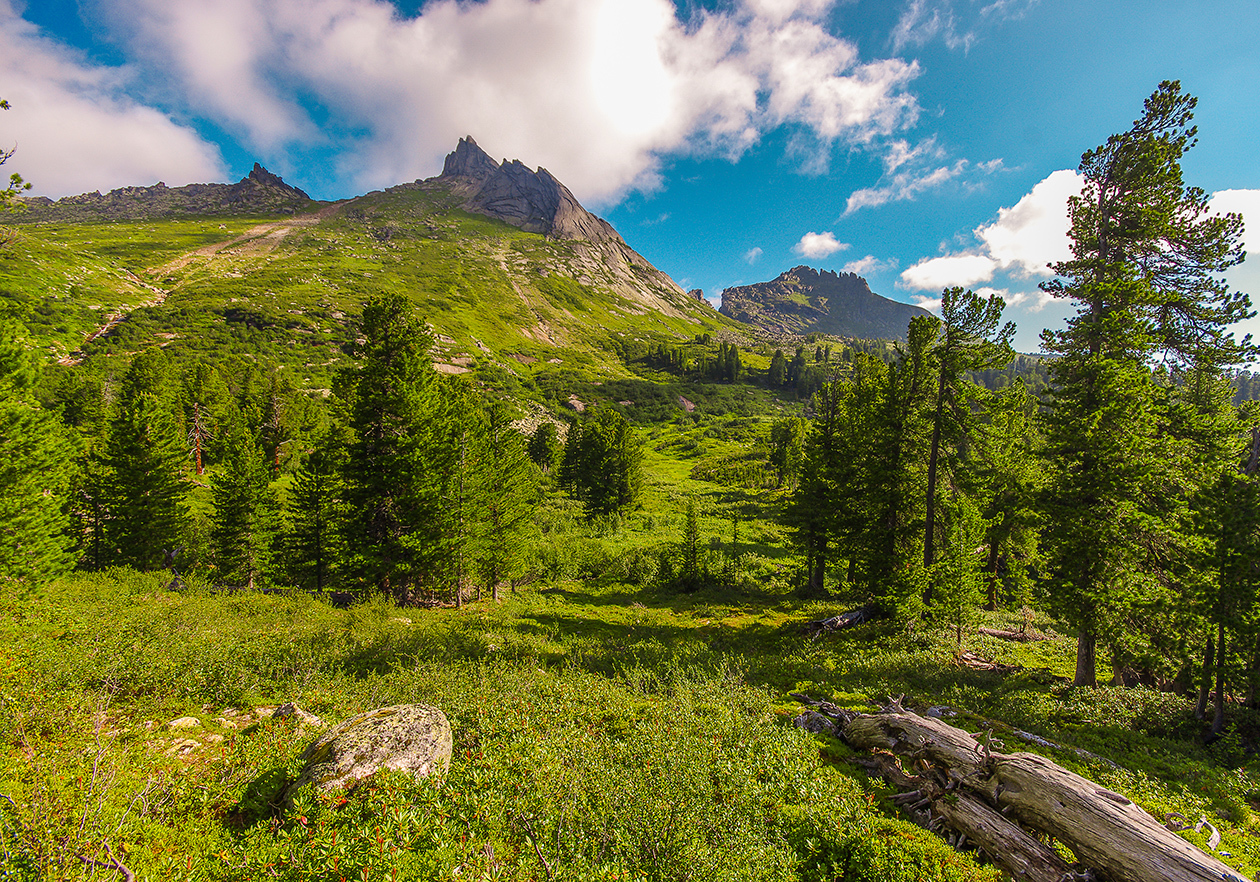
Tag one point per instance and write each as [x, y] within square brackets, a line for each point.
[592, 583]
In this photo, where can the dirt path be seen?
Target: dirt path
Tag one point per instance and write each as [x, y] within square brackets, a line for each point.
[261, 239]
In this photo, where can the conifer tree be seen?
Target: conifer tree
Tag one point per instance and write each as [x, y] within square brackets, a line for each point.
[242, 516]
[393, 478]
[507, 511]
[313, 547]
[36, 456]
[1144, 274]
[966, 342]
[545, 448]
[141, 488]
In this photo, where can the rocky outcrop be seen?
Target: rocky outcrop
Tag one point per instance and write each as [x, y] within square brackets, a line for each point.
[803, 300]
[537, 202]
[259, 193]
[414, 738]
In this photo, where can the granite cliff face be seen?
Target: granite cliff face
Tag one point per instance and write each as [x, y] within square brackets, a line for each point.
[258, 193]
[804, 299]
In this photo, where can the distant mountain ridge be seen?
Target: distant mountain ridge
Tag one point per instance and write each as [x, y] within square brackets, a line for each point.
[804, 300]
[259, 193]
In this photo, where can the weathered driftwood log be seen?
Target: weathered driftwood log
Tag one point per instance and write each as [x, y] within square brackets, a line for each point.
[1105, 830]
[844, 620]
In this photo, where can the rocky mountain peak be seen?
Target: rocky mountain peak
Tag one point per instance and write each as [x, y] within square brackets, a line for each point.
[804, 299]
[262, 177]
[468, 161]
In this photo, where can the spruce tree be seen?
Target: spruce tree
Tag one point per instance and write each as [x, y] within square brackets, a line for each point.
[242, 515]
[506, 516]
[313, 547]
[968, 340]
[393, 471]
[142, 491]
[36, 457]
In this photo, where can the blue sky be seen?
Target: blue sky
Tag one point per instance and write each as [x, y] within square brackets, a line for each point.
[918, 142]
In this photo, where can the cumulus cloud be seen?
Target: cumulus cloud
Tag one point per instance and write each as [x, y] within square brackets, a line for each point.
[870, 264]
[1034, 232]
[818, 245]
[1023, 240]
[935, 273]
[74, 127]
[752, 254]
[1246, 203]
[594, 90]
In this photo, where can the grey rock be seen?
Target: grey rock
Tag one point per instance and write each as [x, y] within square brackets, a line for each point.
[413, 738]
[811, 721]
[184, 723]
[305, 718]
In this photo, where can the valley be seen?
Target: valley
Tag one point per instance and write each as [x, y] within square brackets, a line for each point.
[454, 442]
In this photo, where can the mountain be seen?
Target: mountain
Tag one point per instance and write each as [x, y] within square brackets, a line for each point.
[803, 300]
[514, 276]
[258, 194]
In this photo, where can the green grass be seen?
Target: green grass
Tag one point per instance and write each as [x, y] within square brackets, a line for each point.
[629, 732]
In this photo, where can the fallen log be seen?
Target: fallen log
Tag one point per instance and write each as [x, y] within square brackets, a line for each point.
[928, 803]
[844, 620]
[1106, 831]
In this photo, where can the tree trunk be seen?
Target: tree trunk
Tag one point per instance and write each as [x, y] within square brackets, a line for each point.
[1106, 831]
[934, 453]
[1205, 682]
[1218, 719]
[990, 569]
[1086, 661]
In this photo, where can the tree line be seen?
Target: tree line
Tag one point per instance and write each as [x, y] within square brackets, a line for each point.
[407, 482]
[1125, 498]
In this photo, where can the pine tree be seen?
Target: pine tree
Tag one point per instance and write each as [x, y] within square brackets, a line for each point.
[966, 342]
[313, 547]
[545, 448]
[36, 453]
[507, 512]
[141, 491]
[242, 515]
[1145, 276]
[393, 469]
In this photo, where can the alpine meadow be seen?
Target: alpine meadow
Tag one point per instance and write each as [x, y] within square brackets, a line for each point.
[436, 533]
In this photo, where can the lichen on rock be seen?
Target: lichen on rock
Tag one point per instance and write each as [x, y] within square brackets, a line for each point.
[414, 738]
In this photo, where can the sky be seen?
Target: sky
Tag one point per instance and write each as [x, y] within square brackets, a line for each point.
[919, 143]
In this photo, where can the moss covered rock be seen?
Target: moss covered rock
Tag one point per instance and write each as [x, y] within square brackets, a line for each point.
[414, 738]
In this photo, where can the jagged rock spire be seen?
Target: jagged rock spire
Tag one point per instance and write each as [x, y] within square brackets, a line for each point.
[468, 160]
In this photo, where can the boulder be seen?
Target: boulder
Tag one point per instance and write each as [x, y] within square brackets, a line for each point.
[413, 738]
[305, 718]
[184, 723]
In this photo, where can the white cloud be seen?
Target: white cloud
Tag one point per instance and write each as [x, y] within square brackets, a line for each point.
[1022, 240]
[594, 90]
[937, 273]
[923, 21]
[1246, 203]
[909, 171]
[76, 130]
[1034, 233]
[870, 264]
[817, 245]
[752, 254]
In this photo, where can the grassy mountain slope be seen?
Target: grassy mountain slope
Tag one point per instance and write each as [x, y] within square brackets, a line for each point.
[285, 288]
